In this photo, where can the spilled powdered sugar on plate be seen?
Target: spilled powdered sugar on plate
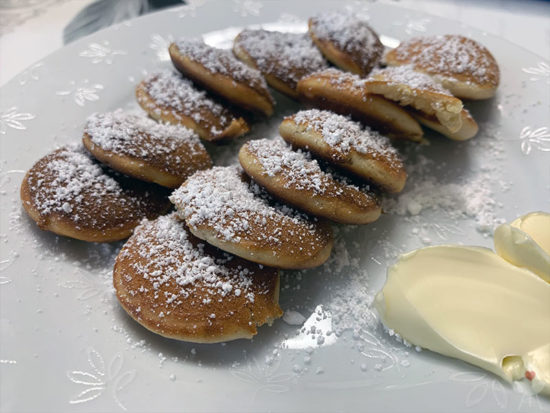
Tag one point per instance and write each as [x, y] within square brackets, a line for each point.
[472, 197]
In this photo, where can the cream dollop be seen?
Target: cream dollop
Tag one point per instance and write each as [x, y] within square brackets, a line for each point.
[472, 304]
[526, 243]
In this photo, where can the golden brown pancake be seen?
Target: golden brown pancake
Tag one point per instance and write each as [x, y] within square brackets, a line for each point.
[411, 88]
[177, 286]
[346, 40]
[68, 193]
[168, 97]
[144, 149]
[222, 208]
[460, 64]
[220, 72]
[298, 180]
[343, 142]
[347, 94]
[283, 58]
[467, 131]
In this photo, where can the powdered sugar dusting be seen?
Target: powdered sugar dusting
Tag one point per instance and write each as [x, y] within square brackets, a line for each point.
[70, 183]
[470, 198]
[222, 62]
[72, 172]
[344, 135]
[344, 80]
[287, 56]
[406, 75]
[301, 172]
[128, 134]
[237, 210]
[171, 255]
[351, 34]
[172, 92]
[448, 55]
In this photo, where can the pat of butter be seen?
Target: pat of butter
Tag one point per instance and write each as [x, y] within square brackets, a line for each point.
[526, 243]
[537, 225]
[471, 304]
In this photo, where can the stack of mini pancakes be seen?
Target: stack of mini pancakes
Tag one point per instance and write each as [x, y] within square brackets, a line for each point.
[208, 271]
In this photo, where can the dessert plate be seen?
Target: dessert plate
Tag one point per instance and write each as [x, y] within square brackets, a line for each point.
[66, 345]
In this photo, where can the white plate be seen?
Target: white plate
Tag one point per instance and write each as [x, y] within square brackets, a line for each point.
[67, 345]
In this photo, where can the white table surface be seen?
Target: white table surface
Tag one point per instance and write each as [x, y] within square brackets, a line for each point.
[33, 32]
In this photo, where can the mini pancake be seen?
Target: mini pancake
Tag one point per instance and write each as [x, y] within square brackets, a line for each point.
[177, 286]
[283, 58]
[460, 64]
[346, 40]
[168, 97]
[298, 180]
[467, 131]
[220, 72]
[144, 149]
[68, 193]
[418, 90]
[347, 94]
[221, 207]
[344, 143]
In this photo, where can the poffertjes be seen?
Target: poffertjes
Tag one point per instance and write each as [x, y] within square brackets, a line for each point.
[144, 149]
[460, 64]
[221, 207]
[222, 73]
[168, 97]
[296, 178]
[177, 286]
[283, 58]
[433, 105]
[343, 142]
[467, 131]
[68, 193]
[347, 94]
[346, 40]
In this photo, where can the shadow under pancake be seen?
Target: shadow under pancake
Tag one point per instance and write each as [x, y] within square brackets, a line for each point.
[93, 256]
[484, 110]
[221, 355]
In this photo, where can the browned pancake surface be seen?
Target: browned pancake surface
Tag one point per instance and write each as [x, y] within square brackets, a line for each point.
[346, 40]
[292, 175]
[345, 143]
[68, 193]
[461, 64]
[168, 97]
[418, 90]
[142, 148]
[220, 207]
[221, 72]
[283, 58]
[348, 95]
[180, 287]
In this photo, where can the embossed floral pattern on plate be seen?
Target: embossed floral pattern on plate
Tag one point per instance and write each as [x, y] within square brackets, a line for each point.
[534, 138]
[12, 118]
[101, 378]
[101, 53]
[82, 92]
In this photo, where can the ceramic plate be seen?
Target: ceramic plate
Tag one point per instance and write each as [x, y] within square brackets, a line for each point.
[67, 345]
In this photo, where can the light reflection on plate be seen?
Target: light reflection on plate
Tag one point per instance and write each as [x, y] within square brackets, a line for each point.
[317, 331]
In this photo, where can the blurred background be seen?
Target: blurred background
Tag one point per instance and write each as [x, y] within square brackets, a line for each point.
[32, 29]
